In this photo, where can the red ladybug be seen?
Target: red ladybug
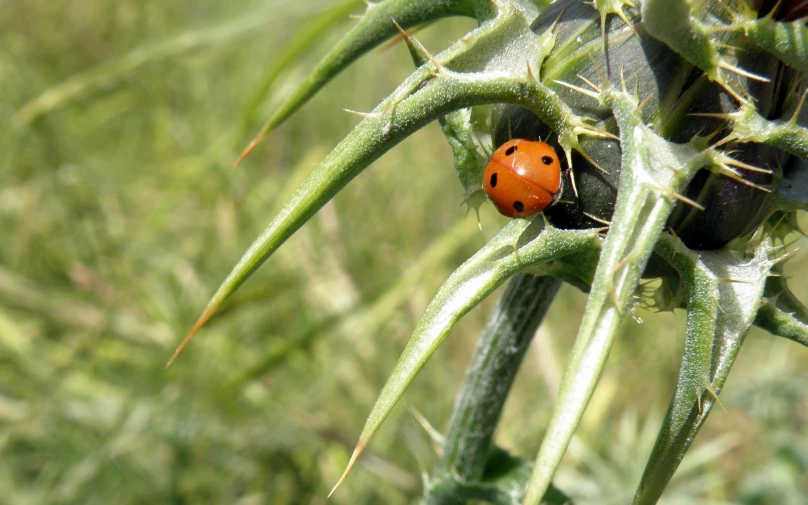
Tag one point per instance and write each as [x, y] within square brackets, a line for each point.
[523, 177]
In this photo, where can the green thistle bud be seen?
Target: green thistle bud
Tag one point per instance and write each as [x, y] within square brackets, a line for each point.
[677, 98]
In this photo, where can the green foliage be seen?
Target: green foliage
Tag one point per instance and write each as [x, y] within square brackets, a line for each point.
[119, 214]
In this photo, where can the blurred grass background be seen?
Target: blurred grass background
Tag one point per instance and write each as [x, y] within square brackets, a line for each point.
[119, 216]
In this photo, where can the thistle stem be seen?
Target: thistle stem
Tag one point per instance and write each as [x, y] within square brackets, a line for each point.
[488, 380]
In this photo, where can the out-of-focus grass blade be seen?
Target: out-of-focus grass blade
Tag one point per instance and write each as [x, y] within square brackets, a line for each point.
[375, 26]
[19, 292]
[107, 74]
[365, 319]
[303, 41]
[467, 287]
[723, 290]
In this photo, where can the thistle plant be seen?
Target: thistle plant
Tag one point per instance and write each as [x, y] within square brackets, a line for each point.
[681, 128]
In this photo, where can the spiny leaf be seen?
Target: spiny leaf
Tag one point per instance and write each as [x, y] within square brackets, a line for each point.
[374, 27]
[607, 7]
[786, 41]
[781, 313]
[672, 22]
[652, 170]
[521, 244]
[422, 98]
[458, 129]
[749, 126]
[776, 321]
[723, 290]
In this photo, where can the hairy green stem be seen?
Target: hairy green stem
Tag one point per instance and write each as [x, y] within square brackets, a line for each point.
[490, 376]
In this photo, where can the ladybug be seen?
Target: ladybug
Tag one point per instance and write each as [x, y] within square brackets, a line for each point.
[523, 177]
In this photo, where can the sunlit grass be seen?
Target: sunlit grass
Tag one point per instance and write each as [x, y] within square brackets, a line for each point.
[119, 216]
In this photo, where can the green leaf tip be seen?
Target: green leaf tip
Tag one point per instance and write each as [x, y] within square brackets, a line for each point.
[374, 27]
[357, 451]
[206, 315]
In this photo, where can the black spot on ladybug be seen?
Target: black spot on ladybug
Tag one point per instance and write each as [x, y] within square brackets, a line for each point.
[519, 206]
[510, 150]
[493, 180]
[547, 160]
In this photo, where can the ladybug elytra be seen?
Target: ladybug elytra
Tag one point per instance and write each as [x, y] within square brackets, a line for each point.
[523, 177]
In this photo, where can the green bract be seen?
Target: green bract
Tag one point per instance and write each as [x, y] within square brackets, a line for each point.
[682, 124]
